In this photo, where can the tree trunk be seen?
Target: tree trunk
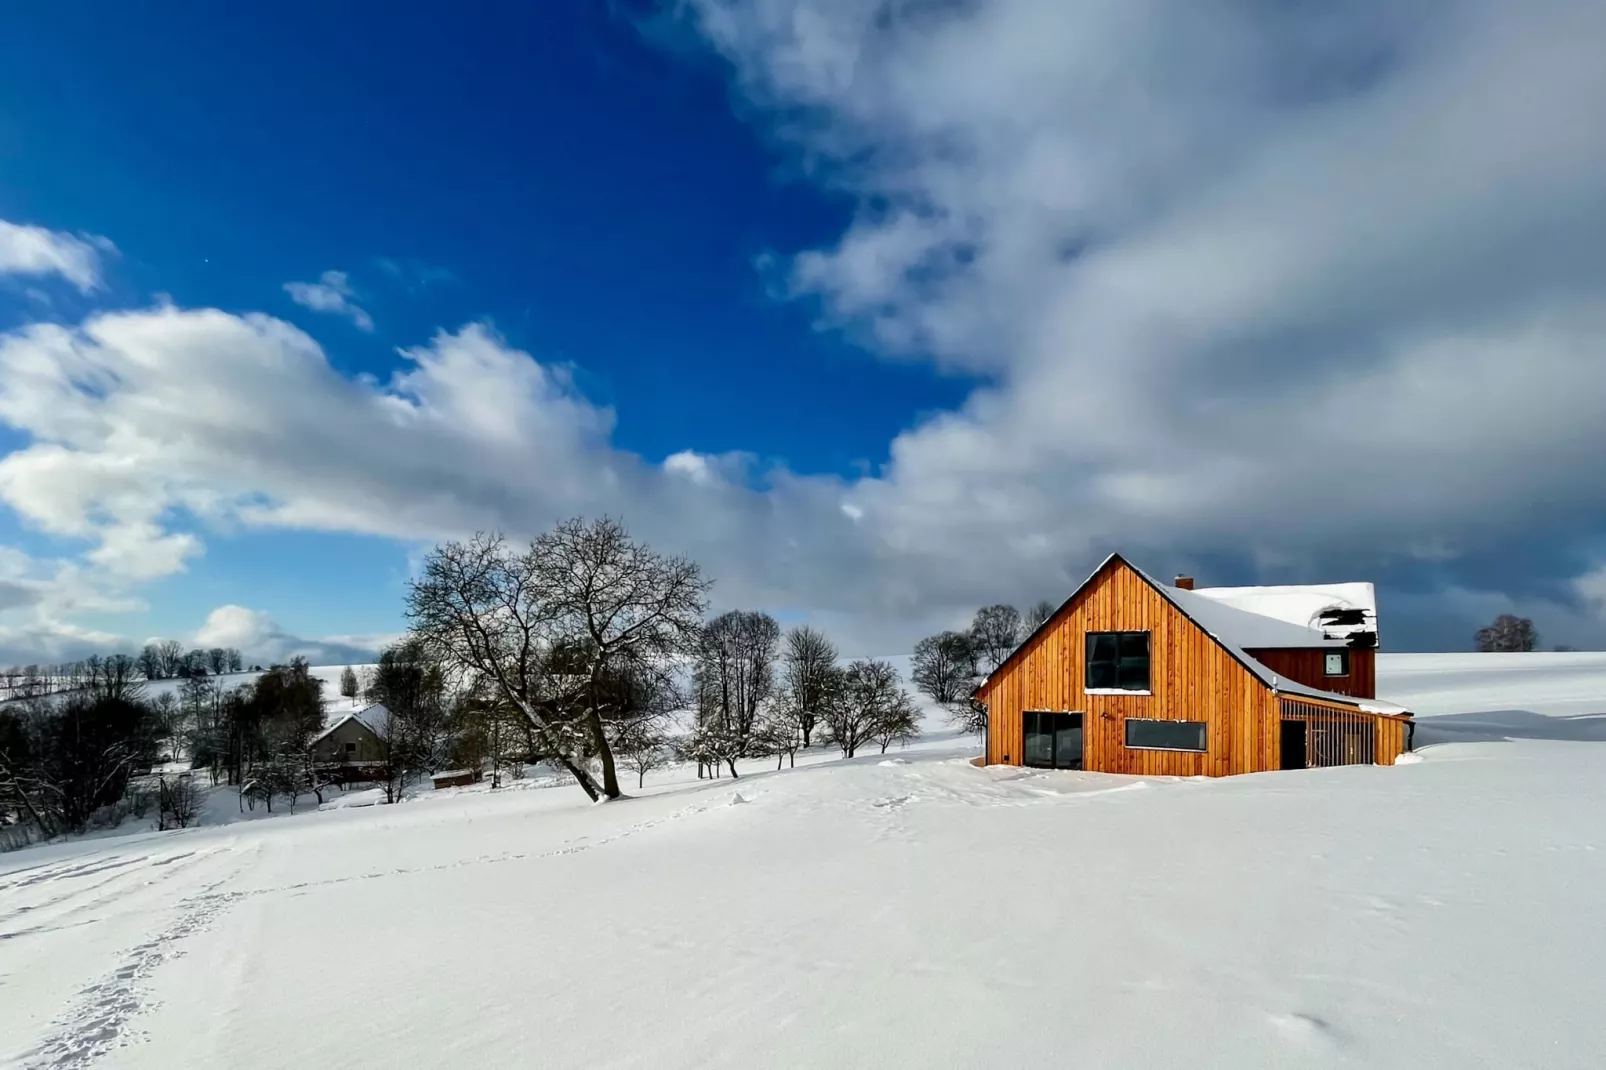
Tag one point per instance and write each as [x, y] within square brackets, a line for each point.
[581, 777]
[599, 737]
[778, 757]
[641, 779]
[732, 763]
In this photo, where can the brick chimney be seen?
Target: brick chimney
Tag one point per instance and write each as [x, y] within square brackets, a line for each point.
[1183, 583]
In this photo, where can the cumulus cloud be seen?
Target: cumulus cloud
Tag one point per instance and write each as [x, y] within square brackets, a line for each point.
[469, 433]
[331, 293]
[1251, 282]
[36, 251]
[261, 641]
[1272, 292]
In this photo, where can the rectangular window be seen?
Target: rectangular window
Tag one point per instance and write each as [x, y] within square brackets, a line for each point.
[1165, 735]
[351, 748]
[1053, 740]
[1117, 661]
[1337, 663]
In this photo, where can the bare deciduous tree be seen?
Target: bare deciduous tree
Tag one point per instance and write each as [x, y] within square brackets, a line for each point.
[571, 632]
[781, 731]
[944, 667]
[169, 658]
[969, 716]
[178, 801]
[1033, 618]
[644, 747]
[808, 667]
[898, 723]
[866, 701]
[1508, 633]
[996, 632]
[735, 678]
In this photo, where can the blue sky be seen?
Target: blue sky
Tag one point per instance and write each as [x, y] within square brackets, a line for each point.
[548, 170]
[879, 316]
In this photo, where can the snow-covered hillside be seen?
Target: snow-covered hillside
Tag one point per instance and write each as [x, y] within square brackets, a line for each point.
[329, 674]
[911, 912]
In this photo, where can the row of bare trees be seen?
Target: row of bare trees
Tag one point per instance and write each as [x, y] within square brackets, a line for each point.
[597, 648]
[948, 666]
[584, 649]
[156, 661]
[91, 673]
[166, 659]
[756, 695]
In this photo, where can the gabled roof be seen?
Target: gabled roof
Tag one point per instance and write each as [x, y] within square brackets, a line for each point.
[375, 718]
[1229, 627]
[1337, 610]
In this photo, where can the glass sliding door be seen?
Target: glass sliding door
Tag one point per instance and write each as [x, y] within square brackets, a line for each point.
[1052, 740]
[1039, 740]
[1068, 741]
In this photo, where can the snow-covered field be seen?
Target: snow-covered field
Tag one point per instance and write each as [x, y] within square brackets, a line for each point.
[917, 912]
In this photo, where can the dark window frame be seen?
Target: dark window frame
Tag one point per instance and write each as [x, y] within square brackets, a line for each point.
[1122, 655]
[1203, 726]
[1062, 721]
[1344, 658]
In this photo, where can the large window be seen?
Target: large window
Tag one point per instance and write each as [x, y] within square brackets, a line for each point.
[1053, 740]
[1165, 735]
[1118, 661]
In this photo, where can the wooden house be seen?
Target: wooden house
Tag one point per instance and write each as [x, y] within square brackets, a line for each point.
[356, 743]
[1133, 676]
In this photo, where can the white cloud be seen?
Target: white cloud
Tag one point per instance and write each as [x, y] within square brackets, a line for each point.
[331, 293]
[1311, 290]
[261, 641]
[690, 465]
[33, 250]
[37, 598]
[1273, 283]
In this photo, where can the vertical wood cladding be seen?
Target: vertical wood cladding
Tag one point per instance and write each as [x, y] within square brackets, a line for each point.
[1309, 667]
[1191, 678]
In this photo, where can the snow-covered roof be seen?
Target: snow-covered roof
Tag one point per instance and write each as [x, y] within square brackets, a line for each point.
[1237, 630]
[1252, 631]
[1337, 610]
[375, 718]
